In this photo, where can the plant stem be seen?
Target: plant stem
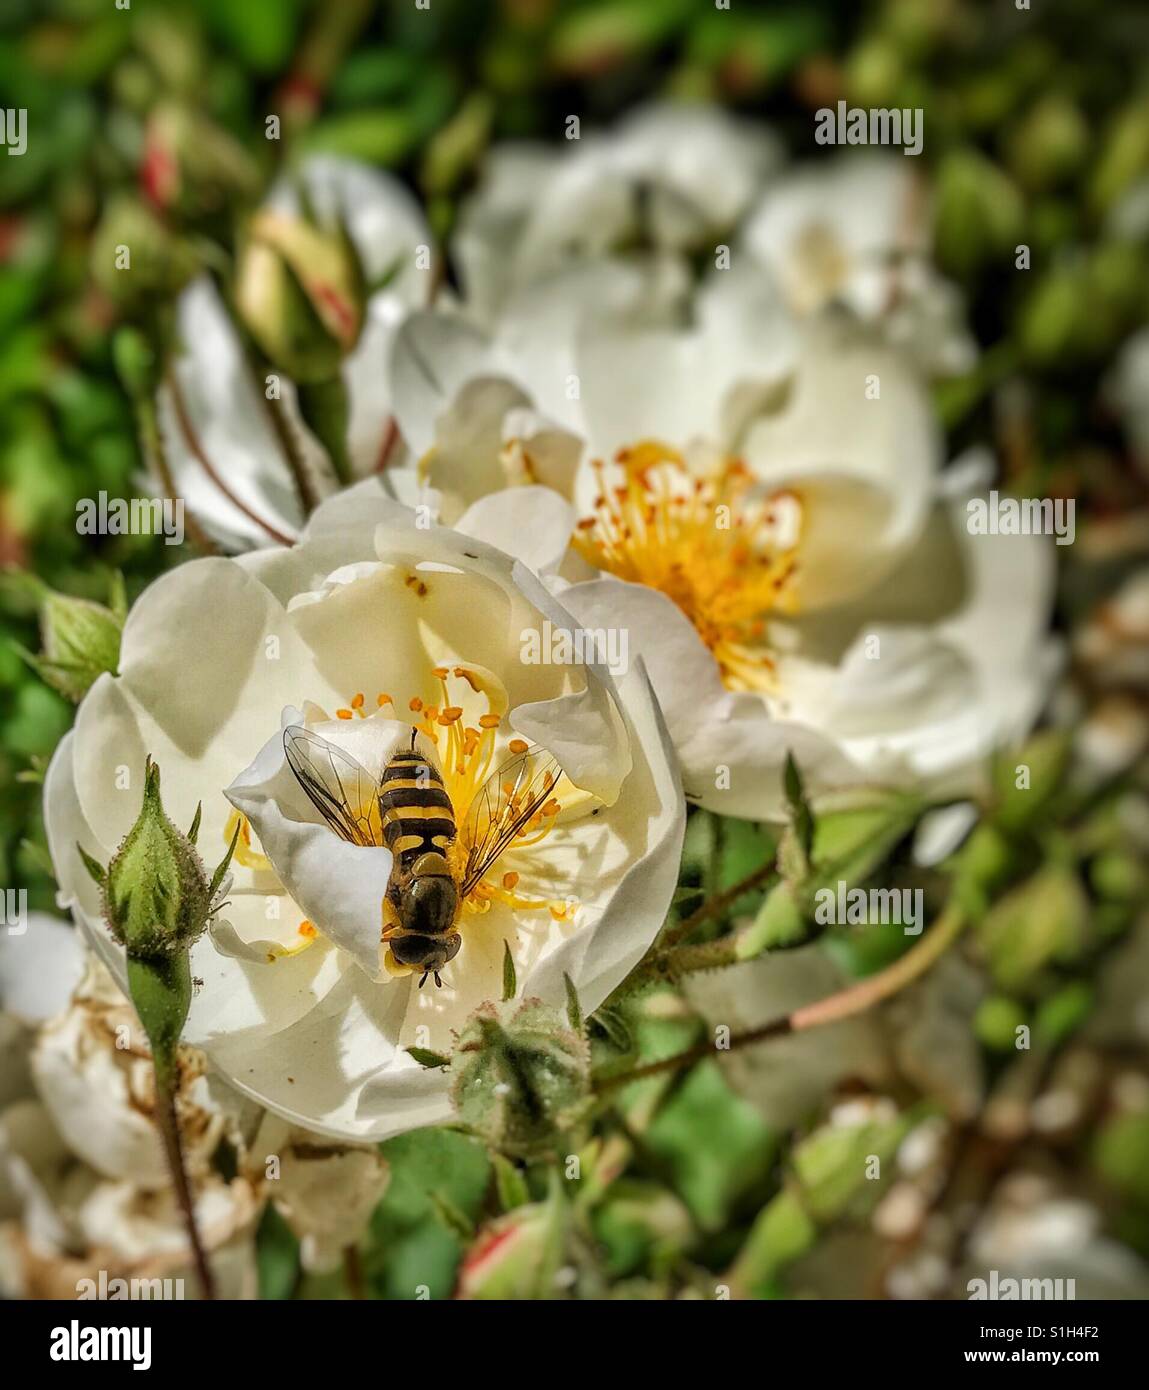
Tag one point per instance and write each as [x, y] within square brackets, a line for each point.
[353, 1272]
[155, 456]
[191, 439]
[297, 466]
[844, 1004]
[168, 1122]
[715, 906]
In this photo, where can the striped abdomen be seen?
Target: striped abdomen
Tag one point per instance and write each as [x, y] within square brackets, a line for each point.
[418, 817]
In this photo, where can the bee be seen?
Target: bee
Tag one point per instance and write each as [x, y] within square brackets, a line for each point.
[436, 865]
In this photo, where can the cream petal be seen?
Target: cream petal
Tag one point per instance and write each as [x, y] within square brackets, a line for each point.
[216, 413]
[532, 524]
[203, 726]
[731, 748]
[40, 969]
[600, 957]
[830, 429]
[340, 886]
[66, 826]
[964, 662]
[433, 356]
[682, 385]
[465, 462]
[87, 1091]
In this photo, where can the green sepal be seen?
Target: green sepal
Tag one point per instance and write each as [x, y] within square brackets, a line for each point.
[510, 979]
[96, 870]
[222, 866]
[574, 1008]
[426, 1058]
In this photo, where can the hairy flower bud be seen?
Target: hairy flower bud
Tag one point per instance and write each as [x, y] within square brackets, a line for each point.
[520, 1077]
[157, 896]
[80, 640]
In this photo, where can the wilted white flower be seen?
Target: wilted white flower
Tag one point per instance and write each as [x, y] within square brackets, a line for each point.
[84, 1180]
[84, 1184]
[372, 627]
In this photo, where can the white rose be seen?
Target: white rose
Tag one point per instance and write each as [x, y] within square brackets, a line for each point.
[762, 511]
[669, 178]
[370, 625]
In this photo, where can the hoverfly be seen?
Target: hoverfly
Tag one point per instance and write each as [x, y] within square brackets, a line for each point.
[409, 810]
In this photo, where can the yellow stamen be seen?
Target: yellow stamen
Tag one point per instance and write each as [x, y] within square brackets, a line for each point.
[713, 544]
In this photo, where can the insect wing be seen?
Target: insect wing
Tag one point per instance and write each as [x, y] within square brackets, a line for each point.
[341, 789]
[503, 807]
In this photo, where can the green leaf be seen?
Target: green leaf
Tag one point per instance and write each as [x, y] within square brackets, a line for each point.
[1061, 1016]
[781, 1233]
[510, 980]
[716, 1145]
[1039, 765]
[455, 1220]
[412, 1248]
[574, 1008]
[1041, 921]
[780, 921]
[426, 1058]
[277, 1256]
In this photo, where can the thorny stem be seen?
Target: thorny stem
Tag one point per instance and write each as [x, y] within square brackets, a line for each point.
[715, 906]
[283, 430]
[289, 443]
[169, 1128]
[844, 1004]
